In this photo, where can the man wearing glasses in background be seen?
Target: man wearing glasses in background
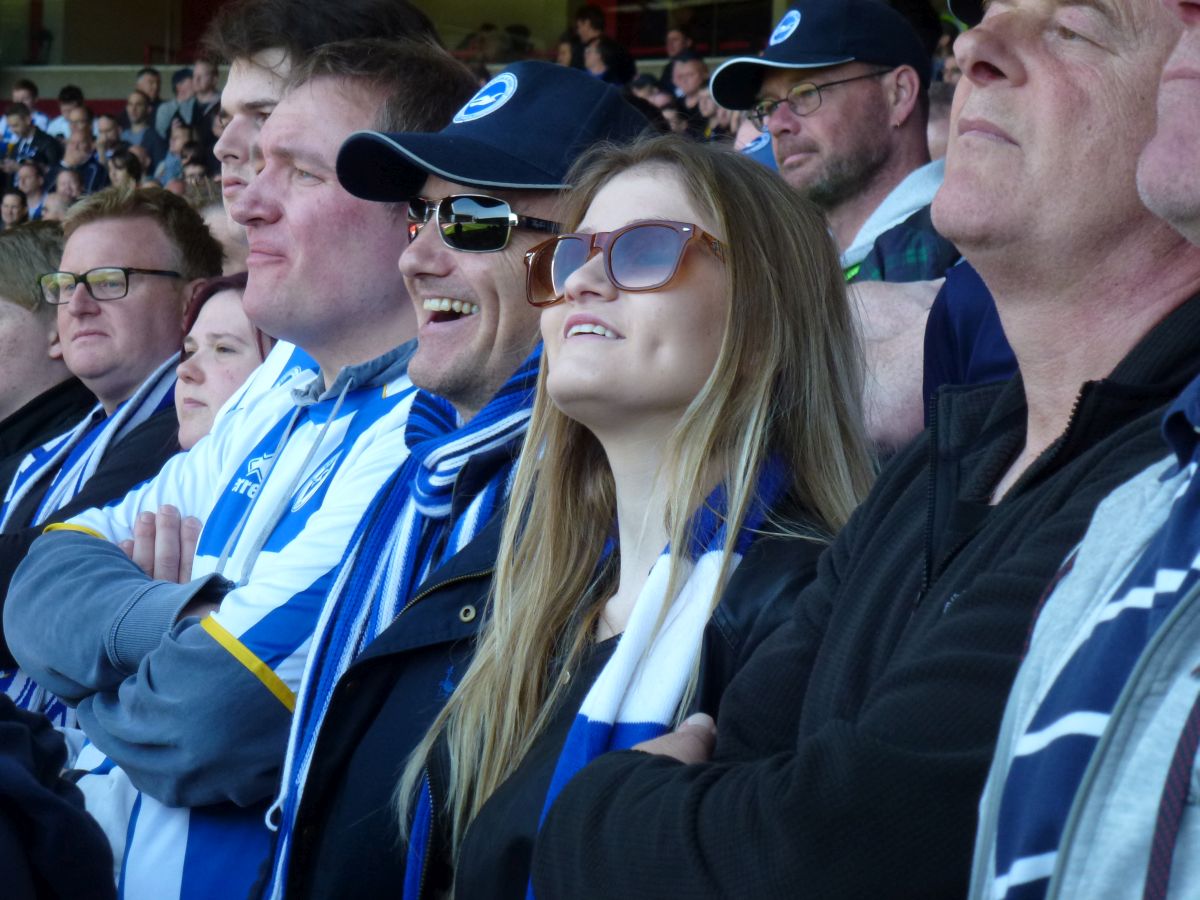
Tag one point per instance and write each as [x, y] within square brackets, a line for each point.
[843, 90]
[128, 266]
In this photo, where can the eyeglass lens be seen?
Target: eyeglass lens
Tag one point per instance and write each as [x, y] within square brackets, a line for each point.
[471, 223]
[103, 284]
[641, 258]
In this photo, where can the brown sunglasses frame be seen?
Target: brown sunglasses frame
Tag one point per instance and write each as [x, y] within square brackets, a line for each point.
[602, 242]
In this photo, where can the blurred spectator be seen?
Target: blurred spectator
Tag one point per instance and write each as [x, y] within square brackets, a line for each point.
[589, 23]
[69, 98]
[149, 82]
[26, 92]
[206, 105]
[602, 56]
[31, 179]
[68, 185]
[13, 208]
[28, 141]
[54, 207]
[124, 169]
[678, 41]
[938, 128]
[143, 158]
[221, 348]
[29, 361]
[38, 396]
[951, 71]
[690, 76]
[80, 119]
[717, 119]
[570, 51]
[171, 167]
[181, 84]
[108, 135]
[608, 61]
[82, 157]
[140, 132]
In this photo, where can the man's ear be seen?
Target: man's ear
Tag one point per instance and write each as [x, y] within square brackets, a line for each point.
[188, 290]
[54, 347]
[904, 94]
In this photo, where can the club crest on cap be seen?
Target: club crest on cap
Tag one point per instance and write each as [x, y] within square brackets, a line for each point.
[489, 98]
[758, 143]
[787, 25]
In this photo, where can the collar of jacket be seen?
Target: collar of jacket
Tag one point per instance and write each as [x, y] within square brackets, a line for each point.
[976, 431]
[376, 372]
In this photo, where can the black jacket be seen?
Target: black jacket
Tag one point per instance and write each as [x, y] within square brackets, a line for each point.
[853, 747]
[135, 458]
[46, 416]
[345, 833]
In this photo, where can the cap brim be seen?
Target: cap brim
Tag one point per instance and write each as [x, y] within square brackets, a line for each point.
[392, 168]
[736, 82]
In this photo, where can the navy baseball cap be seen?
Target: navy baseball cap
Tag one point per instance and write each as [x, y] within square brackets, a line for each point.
[523, 129]
[967, 11]
[817, 33]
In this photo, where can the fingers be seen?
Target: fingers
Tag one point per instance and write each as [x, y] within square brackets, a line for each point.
[143, 542]
[189, 537]
[126, 548]
[166, 544]
[691, 742]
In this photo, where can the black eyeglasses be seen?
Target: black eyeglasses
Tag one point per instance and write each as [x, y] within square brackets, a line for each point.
[103, 283]
[473, 223]
[802, 99]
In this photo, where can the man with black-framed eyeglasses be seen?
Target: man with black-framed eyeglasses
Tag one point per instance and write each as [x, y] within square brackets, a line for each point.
[842, 90]
[118, 295]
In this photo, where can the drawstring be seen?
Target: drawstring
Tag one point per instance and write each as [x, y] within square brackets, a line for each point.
[285, 496]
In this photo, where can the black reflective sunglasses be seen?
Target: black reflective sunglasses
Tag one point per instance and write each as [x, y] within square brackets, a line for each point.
[472, 223]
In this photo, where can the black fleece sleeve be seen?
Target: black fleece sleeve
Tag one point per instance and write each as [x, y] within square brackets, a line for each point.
[876, 796]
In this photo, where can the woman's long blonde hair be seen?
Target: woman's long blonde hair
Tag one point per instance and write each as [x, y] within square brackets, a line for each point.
[787, 382]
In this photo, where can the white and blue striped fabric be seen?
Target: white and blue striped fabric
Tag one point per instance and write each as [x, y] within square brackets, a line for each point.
[69, 460]
[295, 475]
[408, 531]
[637, 694]
[1055, 748]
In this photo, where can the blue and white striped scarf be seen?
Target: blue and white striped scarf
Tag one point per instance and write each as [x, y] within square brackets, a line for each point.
[72, 458]
[637, 694]
[407, 532]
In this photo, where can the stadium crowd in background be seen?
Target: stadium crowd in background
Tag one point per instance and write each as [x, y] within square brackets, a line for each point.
[774, 476]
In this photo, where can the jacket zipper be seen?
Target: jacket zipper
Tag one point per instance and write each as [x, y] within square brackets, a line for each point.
[441, 584]
[428, 843]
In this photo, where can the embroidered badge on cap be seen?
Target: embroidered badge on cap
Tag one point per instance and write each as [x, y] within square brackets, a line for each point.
[758, 143]
[787, 25]
[490, 98]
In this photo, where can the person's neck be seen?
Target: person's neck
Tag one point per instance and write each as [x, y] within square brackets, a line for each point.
[847, 219]
[1071, 317]
[636, 464]
[363, 349]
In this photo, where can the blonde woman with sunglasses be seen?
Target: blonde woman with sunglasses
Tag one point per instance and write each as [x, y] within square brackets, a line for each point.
[696, 437]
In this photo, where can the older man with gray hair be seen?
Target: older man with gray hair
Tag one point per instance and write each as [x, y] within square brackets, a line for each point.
[851, 748]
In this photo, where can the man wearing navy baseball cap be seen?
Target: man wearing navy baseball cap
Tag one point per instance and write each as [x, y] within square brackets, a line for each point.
[841, 87]
[479, 193]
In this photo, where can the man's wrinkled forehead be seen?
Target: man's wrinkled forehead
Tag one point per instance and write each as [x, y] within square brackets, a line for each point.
[1116, 14]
